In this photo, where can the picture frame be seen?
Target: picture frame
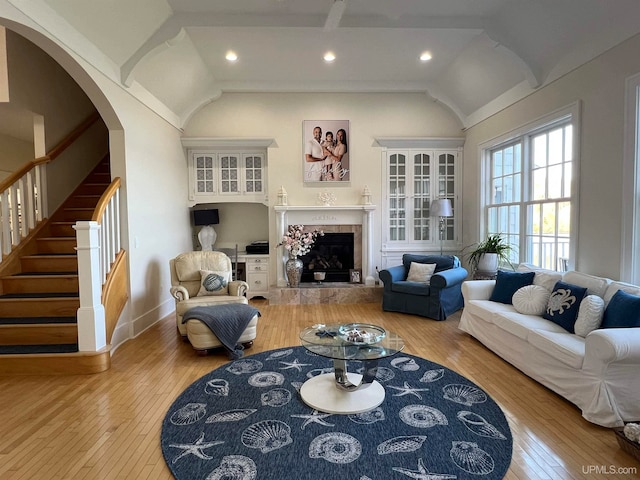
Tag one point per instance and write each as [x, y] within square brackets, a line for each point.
[325, 152]
[355, 275]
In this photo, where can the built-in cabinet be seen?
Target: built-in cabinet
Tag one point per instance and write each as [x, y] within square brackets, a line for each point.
[417, 172]
[257, 275]
[227, 170]
[227, 176]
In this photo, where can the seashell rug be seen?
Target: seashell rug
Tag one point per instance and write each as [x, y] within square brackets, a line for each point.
[246, 421]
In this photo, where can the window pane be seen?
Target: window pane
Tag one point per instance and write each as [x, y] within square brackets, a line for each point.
[556, 149]
[539, 151]
[539, 187]
[555, 181]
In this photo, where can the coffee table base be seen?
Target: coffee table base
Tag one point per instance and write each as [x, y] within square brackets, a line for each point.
[323, 394]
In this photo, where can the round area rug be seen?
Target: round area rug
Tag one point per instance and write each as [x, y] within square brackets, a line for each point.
[245, 421]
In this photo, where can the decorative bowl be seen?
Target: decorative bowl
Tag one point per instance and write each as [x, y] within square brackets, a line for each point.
[361, 333]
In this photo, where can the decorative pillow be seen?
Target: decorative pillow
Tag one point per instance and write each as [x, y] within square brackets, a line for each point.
[421, 272]
[214, 282]
[623, 311]
[564, 304]
[531, 300]
[589, 315]
[508, 283]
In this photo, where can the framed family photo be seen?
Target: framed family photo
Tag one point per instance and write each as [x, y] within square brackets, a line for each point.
[325, 151]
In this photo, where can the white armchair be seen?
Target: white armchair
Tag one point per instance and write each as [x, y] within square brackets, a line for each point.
[186, 283]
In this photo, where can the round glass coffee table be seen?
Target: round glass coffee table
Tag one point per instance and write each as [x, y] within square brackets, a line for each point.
[342, 392]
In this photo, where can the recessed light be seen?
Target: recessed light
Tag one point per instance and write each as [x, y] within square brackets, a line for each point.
[425, 56]
[329, 57]
[231, 56]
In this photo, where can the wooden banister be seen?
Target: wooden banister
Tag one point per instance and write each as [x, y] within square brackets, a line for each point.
[104, 200]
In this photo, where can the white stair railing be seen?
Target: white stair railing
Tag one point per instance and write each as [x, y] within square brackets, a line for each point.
[98, 243]
[22, 203]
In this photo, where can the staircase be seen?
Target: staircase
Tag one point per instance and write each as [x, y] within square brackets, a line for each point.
[39, 300]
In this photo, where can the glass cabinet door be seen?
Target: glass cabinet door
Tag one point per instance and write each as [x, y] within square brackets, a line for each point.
[204, 173]
[253, 173]
[229, 173]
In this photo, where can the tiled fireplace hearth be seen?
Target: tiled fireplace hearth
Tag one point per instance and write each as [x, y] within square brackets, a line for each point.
[356, 219]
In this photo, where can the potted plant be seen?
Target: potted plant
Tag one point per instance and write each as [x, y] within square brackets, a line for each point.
[490, 253]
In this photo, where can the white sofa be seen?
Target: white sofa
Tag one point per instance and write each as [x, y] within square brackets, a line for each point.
[599, 373]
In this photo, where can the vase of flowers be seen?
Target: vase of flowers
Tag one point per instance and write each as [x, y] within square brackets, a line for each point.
[297, 242]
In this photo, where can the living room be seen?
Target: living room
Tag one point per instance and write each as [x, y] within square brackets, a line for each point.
[157, 225]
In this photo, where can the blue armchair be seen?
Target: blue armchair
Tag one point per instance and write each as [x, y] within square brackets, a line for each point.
[436, 300]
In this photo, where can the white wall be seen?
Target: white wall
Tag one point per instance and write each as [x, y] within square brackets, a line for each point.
[280, 116]
[13, 154]
[39, 84]
[600, 88]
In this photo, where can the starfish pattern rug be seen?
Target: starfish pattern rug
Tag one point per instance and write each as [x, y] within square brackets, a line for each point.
[246, 421]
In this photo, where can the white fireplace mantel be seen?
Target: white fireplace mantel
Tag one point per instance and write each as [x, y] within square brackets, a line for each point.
[328, 215]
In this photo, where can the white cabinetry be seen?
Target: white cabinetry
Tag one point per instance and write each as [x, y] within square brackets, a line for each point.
[257, 273]
[227, 170]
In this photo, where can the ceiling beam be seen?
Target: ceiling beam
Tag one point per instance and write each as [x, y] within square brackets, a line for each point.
[335, 14]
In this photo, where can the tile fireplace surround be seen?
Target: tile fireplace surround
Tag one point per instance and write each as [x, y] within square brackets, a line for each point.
[335, 218]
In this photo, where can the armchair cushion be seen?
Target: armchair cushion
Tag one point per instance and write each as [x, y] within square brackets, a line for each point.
[413, 288]
[214, 282]
[421, 272]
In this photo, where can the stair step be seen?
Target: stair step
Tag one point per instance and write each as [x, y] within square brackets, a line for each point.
[92, 188]
[71, 363]
[63, 306]
[83, 201]
[38, 333]
[36, 320]
[35, 349]
[40, 283]
[49, 263]
[62, 229]
[57, 245]
[78, 213]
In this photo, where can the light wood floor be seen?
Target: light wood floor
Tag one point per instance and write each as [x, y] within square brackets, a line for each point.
[107, 426]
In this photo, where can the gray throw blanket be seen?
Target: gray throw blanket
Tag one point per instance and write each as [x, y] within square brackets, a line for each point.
[226, 321]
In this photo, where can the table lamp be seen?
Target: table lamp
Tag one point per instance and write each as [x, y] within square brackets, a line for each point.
[207, 235]
[442, 208]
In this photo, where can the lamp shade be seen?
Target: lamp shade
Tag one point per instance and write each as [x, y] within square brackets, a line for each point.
[206, 217]
[442, 208]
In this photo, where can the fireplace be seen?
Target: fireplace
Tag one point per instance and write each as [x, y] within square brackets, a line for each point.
[332, 253]
[355, 219]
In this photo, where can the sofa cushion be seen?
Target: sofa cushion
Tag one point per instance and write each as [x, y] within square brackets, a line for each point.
[615, 286]
[531, 300]
[563, 346]
[623, 311]
[594, 285]
[564, 303]
[412, 288]
[589, 315]
[543, 277]
[520, 325]
[214, 282]
[421, 272]
[507, 283]
[487, 310]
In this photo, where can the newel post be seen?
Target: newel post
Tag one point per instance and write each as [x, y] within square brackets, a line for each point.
[92, 333]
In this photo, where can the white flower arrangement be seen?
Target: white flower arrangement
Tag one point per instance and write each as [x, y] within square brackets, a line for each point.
[297, 241]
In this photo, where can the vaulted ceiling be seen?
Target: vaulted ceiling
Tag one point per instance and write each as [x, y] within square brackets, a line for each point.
[485, 54]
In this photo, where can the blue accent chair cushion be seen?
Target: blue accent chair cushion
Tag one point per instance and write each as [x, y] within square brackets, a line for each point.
[623, 311]
[437, 300]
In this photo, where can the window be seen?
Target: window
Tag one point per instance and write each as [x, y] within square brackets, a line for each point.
[530, 196]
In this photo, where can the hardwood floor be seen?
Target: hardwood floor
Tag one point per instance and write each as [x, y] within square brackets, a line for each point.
[107, 425]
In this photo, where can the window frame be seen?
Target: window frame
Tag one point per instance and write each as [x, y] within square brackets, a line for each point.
[523, 135]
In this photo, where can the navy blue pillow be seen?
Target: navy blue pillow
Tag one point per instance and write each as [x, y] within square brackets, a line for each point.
[564, 304]
[508, 283]
[623, 311]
